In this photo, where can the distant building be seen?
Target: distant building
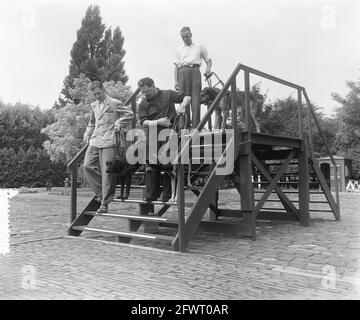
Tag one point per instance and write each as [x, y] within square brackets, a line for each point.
[344, 171]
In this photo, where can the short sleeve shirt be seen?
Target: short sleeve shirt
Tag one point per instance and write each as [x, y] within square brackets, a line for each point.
[193, 54]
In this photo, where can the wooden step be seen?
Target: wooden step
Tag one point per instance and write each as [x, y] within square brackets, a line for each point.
[135, 186]
[153, 218]
[126, 234]
[289, 191]
[151, 202]
[277, 200]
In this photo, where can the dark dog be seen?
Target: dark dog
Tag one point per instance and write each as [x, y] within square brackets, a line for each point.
[124, 172]
[209, 94]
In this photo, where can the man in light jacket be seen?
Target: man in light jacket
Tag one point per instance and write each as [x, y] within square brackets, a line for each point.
[107, 116]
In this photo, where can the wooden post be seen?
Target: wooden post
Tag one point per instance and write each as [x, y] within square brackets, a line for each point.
[181, 207]
[246, 187]
[247, 100]
[234, 112]
[304, 190]
[300, 114]
[73, 194]
[133, 108]
[337, 215]
[308, 114]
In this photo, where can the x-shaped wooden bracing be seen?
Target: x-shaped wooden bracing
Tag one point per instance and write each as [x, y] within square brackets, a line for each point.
[273, 185]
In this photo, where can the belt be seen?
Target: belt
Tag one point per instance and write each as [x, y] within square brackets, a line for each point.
[191, 66]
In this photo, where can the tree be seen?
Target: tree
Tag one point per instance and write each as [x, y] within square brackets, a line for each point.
[66, 134]
[97, 53]
[21, 124]
[282, 118]
[348, 133]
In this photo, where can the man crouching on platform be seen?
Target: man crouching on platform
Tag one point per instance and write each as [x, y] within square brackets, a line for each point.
[158, 109]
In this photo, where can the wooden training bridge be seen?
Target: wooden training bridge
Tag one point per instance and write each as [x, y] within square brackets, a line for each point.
[272, 156]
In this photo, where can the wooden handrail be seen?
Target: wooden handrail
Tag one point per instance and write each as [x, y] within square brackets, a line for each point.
[133, 96]
[270, 77]
[75, 160]
[318, 126]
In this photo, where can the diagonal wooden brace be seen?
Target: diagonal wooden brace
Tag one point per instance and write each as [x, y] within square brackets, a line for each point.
[283, 198]
[273, 182]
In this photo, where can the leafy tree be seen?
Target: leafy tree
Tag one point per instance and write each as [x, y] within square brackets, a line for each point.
[97, 53]
[348, 133]
[21, 124]
[282, 118]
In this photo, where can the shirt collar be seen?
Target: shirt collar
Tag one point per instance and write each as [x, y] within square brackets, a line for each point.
[192, 44]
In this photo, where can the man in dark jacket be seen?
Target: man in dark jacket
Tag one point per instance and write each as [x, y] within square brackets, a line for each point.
[158, 109]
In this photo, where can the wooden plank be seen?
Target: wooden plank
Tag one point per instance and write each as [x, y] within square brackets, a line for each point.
[270, 77]
[304, 190]
[126, 234]
[83, 218]
[277, 216]
[325, 187]
[247, 101]
[300, 113]
[283, 198]
[273, 183]
[198, 210]
[262, 139]
[272, 154]
[73, 195]
[247, 192]
[181, 210]
[212, 207]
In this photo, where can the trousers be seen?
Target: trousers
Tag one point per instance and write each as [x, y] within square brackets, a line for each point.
[94, 168]
[189, 80]
[153, 183]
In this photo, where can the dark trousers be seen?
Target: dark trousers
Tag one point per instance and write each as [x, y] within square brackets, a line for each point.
[154, 180]
[189, 80]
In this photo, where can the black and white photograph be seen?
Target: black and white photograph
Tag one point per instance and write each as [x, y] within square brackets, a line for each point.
[183, 156]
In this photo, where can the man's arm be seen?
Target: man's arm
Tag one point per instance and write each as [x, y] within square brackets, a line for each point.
[162, 122]
[144, 119]
[176, 74]
[208, 72]
[181, 108]
[207, 60]
[126, 116]
[90, 127]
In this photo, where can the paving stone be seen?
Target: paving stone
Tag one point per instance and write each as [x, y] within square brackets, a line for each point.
[285, 262]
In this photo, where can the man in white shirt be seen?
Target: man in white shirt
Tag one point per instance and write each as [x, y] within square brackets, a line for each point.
[187, 72]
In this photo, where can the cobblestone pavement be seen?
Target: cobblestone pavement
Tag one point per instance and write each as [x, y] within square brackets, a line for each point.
[285, 262]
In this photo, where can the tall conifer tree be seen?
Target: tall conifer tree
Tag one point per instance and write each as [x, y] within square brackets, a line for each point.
[97, 53]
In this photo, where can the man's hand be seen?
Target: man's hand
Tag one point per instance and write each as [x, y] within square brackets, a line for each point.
[119, 126]
[177, 86]
[164, 122]
[208, 74]
[86, 139]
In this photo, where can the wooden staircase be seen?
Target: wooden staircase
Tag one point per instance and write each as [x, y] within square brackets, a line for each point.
[269, 158]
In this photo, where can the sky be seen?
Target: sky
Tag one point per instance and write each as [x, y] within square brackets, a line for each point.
[314, 44]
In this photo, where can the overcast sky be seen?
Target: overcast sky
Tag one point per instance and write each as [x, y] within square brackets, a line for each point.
[315, 44]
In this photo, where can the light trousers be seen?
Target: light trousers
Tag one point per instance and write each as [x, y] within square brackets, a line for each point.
[94, 167]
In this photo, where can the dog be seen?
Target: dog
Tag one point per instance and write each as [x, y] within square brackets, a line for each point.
[208, 95]
[124, 172]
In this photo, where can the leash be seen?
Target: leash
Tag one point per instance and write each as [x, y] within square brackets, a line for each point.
[208, 80]
[120, 143]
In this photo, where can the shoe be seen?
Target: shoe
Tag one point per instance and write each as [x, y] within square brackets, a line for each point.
[102, 209]
[97, 199]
